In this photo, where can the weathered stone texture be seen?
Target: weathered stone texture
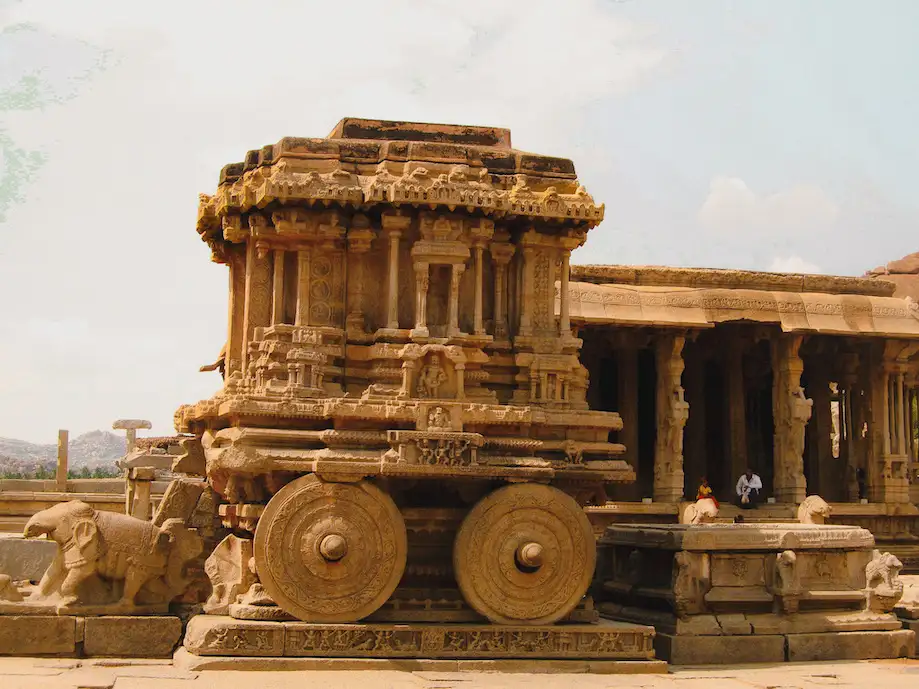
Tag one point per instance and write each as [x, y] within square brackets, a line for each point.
[139, 637]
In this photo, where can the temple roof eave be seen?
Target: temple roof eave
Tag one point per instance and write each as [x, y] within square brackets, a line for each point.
[698, 308]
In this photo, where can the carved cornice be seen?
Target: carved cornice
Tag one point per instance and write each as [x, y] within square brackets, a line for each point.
[714, 278]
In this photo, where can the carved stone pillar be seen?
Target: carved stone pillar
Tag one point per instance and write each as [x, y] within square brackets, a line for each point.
[481, 232]
[392, 295]
[564, 320]
[527, 296]
[456, 274]
[237, 307]
[901, 415]
[477, 327]
[394, 225]
[360, 237]
[303, 287]
[258, 294]
[501, 254]
[791, 411]
[277, 294]
[672, 414]
[888, 464]
[422, 283]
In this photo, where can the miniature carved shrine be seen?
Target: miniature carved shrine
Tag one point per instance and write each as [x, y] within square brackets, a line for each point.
[403, 433]
[739, 593]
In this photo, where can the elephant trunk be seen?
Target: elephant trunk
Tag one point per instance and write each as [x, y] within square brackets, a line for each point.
[37, 526]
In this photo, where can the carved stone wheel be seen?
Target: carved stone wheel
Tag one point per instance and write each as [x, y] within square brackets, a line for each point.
[330, 552]
[525, 554]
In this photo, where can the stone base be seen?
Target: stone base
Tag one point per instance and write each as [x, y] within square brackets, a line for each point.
[913, 625]
[777, 648]
[720, 650]
[53, 635]
[851, 645]
[187, 661]
[212, 635]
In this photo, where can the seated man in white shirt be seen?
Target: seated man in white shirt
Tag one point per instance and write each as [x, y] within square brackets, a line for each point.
[748, 487]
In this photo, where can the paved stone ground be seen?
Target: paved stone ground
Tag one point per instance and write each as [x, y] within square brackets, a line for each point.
[32, 673]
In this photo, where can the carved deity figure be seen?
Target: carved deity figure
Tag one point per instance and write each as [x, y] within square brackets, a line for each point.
[431, 378]
[801, 410]
[438, 418]
[679, 415]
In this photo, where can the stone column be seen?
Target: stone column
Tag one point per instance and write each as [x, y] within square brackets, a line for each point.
[791, 411]
[527, 296]
[672, 414]
[735, 440]
[236, 261]
[627, 363]
[277, 296]
[422, 283]
[63, 441]
[501, 254]
[360, 237]
[392, 295]
[455, 275]
[303, 287]
[564, 321]
[901, 431]
[477, 327]
[258, 294]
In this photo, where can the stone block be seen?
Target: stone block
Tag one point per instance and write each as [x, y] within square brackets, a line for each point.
[189, 662]
[851, 645]
[913, 625]
[719, 650]
[735, 624]
[37, 635]
[25, 558]
[217, 635]
[179, 500]
[137, 637]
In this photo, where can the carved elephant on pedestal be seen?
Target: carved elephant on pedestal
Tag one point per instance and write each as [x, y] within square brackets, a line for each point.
[105, 558]
[702, 511]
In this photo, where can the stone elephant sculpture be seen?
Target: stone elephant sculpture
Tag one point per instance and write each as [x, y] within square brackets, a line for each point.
[701, 511]
[813, 510]
[105, 558]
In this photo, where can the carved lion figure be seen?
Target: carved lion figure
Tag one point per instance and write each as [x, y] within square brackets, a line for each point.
[882, 581]
[701, 511]
[813, 510]
[105, 558]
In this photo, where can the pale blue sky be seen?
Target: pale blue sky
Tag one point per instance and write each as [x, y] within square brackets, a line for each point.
[765, 134]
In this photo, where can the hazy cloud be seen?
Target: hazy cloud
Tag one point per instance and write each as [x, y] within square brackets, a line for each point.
[793, 264]
[116, 302]
[733, 208]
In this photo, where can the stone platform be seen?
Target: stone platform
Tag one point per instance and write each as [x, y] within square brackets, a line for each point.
[68, 636]
[778, 648]
[743, 593]
[213, 635]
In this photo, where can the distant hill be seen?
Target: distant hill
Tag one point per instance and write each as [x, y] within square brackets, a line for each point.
[93, 450]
